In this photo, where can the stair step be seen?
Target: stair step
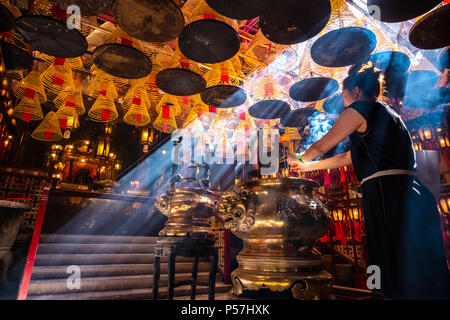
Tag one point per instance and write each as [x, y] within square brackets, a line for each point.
[60, 272]
[131, 294]
[49, 248]
[80, 238]
[97, 259]
[57, 286]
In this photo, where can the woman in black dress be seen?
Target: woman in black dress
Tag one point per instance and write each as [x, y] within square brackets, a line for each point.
[404, 236]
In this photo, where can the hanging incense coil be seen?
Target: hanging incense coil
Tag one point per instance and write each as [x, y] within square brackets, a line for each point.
[223, 90]
[103, 109]
[48, 129]
[57, 78]
[31, 83]
[67, 117]
[167, 109]
[136, 92]
[70, 98]
[69, 63]
[29, 108]
[118, 82]
[179, 60]
[137, 114]
[121, 37]
[245, 128]
[199, 110]
[201, 10]
[224, 120]
[238, 9]
[102, 86]
[271, 106]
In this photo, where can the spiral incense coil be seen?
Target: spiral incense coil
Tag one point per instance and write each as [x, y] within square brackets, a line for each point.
[103, 109]
[181, 61]
[69, 63]
[137, 114]
[167, 109]
[57, 77]
[102, 86]
[48, 129]
[70, 98]
[118, 82]
[32, 82]
[67, 117]
[29, 108]
[136, 92]
[201, 10]
[120, 36]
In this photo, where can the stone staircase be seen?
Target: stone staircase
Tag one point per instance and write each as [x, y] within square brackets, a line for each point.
[112, 267]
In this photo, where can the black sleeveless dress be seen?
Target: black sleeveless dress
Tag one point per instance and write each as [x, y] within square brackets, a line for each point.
[403, 231]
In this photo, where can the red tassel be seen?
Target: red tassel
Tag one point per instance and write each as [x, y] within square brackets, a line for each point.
[242, 115]
[58, 13]
[102, 92]
[185, 99]
[48, 134]
[184, 62]
[327, 180]
[209, 16]
[59, 61]
[26, 116]
[105, 114]
[224, 77]
[63, 123]
[247, 131]
[138, 117]
[268, 89]
[137, 101]
[165, 127]
[70, 103]
[126, 42]
[267, 121]
[212, 109]
[166, 111]
[29, 93]
[58, 81]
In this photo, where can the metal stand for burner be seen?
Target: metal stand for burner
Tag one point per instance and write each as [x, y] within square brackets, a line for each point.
[196, 248]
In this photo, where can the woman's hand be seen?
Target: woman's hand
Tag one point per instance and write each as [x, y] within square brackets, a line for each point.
[295, 164]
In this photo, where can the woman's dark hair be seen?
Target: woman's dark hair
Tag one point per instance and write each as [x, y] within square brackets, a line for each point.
[368, 79]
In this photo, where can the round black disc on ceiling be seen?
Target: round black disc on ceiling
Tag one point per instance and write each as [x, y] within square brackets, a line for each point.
[224, 96]
[15, 58]
[88, 8]
[6, 19]
[209, 41]
[238, 9]
[180, 82]
[433, 30]
[343, 47]
[334, 104]
[444, 59]
[313, 89]
[149, 20]
[51, 36]
[399, 10]
[269, 109]
[419, 82]
[387, 61]
[298, 118]
[294, 21]
[122, 61]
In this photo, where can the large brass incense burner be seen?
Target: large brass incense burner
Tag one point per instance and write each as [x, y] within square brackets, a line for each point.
[279, 220]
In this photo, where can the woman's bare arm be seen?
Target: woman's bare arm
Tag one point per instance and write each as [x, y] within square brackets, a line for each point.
[339, 161]
[349, 121]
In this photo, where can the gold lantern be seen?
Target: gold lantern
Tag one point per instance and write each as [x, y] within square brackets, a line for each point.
[137, 92]
[29, 109]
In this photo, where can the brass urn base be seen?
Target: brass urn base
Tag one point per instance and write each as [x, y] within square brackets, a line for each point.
[287, 278]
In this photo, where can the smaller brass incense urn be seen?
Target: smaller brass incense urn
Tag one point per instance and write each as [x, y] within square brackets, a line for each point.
[279, 220]
[189, 205]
